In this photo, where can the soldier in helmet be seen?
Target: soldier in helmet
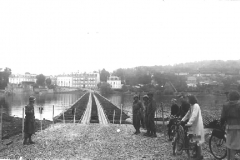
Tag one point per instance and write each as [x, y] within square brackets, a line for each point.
[145, 105]
[143, 111]
[136, 110]
[29, 123]
[152, 106]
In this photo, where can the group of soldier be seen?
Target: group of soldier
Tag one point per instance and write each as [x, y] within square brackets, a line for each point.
[143, 114]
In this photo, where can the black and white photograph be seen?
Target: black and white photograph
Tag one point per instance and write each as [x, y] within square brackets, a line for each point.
[120, 79]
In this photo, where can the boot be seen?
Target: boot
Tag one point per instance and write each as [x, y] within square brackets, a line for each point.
[30, 140]
[154, 135]
[147, 133]
[137, 132]
[25, 141]
[199, 153]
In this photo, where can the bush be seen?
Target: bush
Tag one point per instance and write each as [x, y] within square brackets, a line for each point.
[105, 88]
[168, 92]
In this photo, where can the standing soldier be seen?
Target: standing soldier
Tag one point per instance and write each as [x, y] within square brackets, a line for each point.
[136, 110]
[145, 106]
[151, 114]
[29, 123]
[142, 112]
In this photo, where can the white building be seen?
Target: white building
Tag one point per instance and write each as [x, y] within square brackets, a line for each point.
[86, 80]
[79, 80]
[64, 81]
[115, 82]
[18, 79]
[191, 81]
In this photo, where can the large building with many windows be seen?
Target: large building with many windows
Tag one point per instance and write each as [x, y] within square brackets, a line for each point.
[18, 79]
[79, 80]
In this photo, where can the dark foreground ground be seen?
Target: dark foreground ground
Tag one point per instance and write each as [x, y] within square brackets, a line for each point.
[13, 126]
[94, 141]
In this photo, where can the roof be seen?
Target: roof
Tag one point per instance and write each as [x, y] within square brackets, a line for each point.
[191, 78]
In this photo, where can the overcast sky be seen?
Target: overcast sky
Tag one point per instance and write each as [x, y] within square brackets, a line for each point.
[56, 36]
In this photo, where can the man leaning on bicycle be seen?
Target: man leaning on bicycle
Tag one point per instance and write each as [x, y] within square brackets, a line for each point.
[178, 112]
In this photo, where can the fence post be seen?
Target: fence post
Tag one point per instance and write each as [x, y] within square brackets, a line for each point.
[23, 109]
[1, 124]
[74, 115]
[121, 115]
[53, 114]
[162, 106]
[40, 111]
[41, 120]
[113, 115]
[63, 118]
[156, 117]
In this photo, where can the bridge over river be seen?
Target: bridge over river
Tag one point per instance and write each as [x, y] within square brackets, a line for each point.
[93, 108]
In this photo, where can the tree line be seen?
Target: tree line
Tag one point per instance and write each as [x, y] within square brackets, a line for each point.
[157, 77]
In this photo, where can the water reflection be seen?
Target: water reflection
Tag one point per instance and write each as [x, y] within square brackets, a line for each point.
[60, 102]
[206, 102]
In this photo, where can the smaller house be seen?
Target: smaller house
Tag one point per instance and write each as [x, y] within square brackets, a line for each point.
[191, 81]
[207, 73]
[182, 74]
[115, 82]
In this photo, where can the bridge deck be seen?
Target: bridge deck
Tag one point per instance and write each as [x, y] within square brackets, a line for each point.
[87, 114]
[101, 115]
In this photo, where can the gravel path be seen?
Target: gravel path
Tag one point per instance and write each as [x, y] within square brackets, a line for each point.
[92, 141]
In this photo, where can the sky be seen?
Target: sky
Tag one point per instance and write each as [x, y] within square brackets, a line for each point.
[61, 36]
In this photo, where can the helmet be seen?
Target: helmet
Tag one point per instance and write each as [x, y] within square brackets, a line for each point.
[150, 94]
[145, 96]
[31, 99]
[135, 96]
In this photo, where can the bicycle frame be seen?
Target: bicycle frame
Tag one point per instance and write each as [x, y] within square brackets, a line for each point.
[187, 144]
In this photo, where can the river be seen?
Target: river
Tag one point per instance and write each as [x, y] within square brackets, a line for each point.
[60, 101]
[63, 101]
[208, 103]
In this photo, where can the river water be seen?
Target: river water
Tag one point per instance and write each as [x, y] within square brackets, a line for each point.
[60, 101]
[208, 103]
[63, 101]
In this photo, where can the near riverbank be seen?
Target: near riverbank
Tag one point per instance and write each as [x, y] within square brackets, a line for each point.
[94, 141]
[13, 125]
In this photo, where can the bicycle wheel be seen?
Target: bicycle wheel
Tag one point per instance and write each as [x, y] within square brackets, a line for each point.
[192, 152]
[172, 132]
[217, 147]
[178, 142]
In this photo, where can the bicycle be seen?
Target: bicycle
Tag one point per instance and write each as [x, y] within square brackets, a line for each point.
[217, 144]
[173, 128]
[184, 141]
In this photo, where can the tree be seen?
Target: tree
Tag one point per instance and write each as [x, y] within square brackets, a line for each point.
[104, 75]
[48, 82]
[4, 77]
[40, 80]
[119, 73]
[105, 88]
